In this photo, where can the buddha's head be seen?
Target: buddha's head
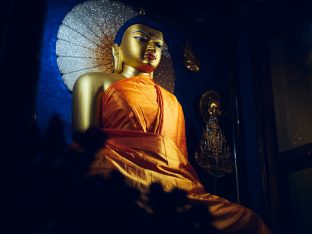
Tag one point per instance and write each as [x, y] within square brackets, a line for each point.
[137, 46]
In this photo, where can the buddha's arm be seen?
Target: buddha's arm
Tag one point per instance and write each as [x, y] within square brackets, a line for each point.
[87, 94]
[85, 109]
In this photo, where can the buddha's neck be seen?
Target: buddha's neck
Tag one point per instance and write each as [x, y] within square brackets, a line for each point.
[128, 71]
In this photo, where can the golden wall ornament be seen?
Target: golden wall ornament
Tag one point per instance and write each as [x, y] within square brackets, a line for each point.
[190, 61]
[213, 154]
[85, 39]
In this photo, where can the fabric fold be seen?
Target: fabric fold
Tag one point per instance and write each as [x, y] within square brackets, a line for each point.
[146, 142]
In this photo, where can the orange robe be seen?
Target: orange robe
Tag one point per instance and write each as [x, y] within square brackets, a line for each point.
[146, 143]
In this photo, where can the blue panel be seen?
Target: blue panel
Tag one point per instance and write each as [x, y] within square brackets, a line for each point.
[52, 95]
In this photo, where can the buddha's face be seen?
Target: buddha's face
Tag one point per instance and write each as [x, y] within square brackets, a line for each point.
[141, 47]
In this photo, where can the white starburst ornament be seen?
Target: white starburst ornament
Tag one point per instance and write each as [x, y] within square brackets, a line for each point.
[85, 38]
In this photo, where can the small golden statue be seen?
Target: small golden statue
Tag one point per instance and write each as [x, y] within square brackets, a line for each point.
[214, 153]
[190, 61]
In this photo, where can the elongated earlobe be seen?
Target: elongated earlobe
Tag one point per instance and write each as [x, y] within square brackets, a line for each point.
[117, 58]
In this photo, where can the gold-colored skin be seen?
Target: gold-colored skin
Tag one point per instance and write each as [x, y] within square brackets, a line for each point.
[139, 53]
[214, 108]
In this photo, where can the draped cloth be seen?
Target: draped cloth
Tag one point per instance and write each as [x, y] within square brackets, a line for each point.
[146, 142]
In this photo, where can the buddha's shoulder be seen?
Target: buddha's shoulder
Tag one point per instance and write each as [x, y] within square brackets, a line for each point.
[93, 77]
[168, 93]
[95, 80]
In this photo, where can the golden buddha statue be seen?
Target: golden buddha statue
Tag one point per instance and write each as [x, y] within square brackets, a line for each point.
[145, 128]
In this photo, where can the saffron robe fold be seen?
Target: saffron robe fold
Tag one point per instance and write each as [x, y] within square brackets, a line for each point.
[146, 142]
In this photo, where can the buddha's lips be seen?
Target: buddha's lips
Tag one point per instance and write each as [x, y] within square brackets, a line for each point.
[150, 56]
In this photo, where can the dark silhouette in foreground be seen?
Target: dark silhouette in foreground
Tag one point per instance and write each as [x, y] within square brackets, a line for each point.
[62, 197]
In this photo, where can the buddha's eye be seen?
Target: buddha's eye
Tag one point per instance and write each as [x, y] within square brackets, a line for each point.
[159, 45]
[142, 39]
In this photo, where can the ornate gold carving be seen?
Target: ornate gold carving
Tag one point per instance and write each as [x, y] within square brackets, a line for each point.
[190, 61]
[213, 154]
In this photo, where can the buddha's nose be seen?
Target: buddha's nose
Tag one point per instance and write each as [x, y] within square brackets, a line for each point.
[151, 47]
